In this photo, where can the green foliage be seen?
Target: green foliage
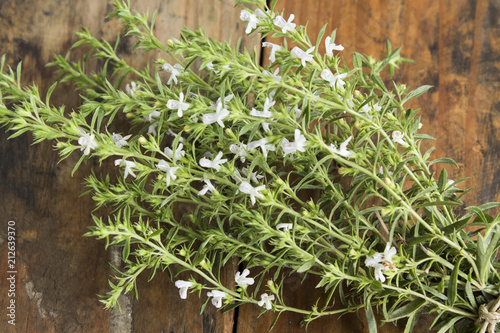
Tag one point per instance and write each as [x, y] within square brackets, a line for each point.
[311, 169]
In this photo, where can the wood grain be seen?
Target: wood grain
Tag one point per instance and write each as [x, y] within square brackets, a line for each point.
[456, 48]
[60, 273]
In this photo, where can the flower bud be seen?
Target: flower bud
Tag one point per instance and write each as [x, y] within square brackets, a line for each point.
[229, 132]
[390, 116]
[357, 124]
[357, 94]
[143, 140]
[182, 252]
[128, 115]
[342, 121]
[420, 125]
[305, 212]
[388, 182]
[187, 129]
[385, 211]
[170, 42]
[157, 104]
[271, 286]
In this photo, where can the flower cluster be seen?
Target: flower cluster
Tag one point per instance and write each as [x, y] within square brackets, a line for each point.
[302, 166]
[381, 262]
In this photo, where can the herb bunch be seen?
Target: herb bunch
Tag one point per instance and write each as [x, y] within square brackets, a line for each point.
[305, 166]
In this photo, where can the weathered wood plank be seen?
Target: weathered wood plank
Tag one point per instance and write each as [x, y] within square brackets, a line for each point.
[59, 272]
[455, 45]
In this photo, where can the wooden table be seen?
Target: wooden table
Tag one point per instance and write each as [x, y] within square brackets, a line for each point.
[456, 48]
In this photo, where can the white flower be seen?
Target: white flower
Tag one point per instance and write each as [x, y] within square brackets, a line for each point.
[219, 101]
[175, 135]
[335, 80]
[381, 171]
[284, 226]
[163, 165]
[343, 148]
[208, 187]
[210, 66]
[381, 261]
[253, 176]
[397, 136]
[183, 287]
[245, 187]
[366, 108]
[293, 147]
[389, 252]
[180, 105]
[179, 153]
[119, 140]
[217, 297]
[268, 103]
[153, 115]
[265, 301]
[252, 20]
[303, 56]
[174, 70]
[131, 88]
[262, 143]
[152, 118]
[215, 164]
[87, 142]
[330, 46]
[285, 26]
[298, 112]
[237, 177]
[273, 75]
[218, 116]
[240, 150]
[128, 167]
[274, 48]
[378, 272]
[242, 279]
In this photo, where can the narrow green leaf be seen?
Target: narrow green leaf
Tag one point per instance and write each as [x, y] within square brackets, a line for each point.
[126, 250]
[306, 266]
[412, 321]
[470, 293]
[444, 160]
[439, 203]
[449, 324]
[457, 226]
[275, 321]
[415, 93]
[320, 36]
[453, 284]
[423, 137]
[370, 316]
[406, 310]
